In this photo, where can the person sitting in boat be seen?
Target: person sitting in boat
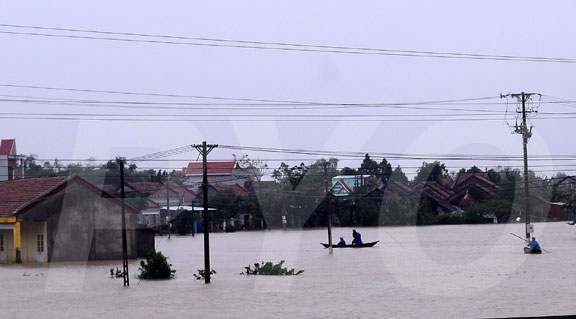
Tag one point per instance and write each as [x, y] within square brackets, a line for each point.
[534, 246]
[342, 242]
[357, 238]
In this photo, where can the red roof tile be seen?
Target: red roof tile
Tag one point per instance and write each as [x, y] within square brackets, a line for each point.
[17, 195]
[188, 195]
[212, 168]
[236, 189]
[6, 147]
[146, 188]
[462, 177]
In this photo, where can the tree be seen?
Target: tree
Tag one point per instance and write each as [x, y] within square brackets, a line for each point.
[435, 171]
[372, 168]
[348, 171]
[399, 176]
[474, 169]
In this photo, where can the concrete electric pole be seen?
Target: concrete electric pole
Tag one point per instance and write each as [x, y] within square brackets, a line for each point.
[526, 133]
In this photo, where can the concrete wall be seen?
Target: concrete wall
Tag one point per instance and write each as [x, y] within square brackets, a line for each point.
[81, 226]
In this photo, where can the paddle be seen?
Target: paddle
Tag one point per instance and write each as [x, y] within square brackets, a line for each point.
[527, 241]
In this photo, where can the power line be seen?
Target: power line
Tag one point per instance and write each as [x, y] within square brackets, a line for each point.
[244, 44]
[270, 119]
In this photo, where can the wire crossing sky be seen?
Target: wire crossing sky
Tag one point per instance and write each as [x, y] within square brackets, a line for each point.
[83, 81]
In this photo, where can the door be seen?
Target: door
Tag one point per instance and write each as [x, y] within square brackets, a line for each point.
[40, 247]
[2, 253]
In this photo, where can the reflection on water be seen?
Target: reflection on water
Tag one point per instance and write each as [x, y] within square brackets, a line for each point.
[437, 271]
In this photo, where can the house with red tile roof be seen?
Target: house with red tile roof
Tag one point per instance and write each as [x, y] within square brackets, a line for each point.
[392, 188]
[219, 173]
[9, 159]
[469, 188]
[158, 196]
[437, 197]
[63, 218]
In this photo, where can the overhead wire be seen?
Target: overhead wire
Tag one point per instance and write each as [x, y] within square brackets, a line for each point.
[244, 44]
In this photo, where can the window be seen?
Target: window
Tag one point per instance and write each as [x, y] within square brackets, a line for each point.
[40, 242]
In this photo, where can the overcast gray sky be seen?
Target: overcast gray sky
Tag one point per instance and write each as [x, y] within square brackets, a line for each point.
[519, 28]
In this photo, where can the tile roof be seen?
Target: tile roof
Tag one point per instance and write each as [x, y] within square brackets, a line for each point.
[17, 195]
[236, 189]
[146, 188]
[402, 186]
[6, 147]
[212, 168]
[462, 177]
[183, 191]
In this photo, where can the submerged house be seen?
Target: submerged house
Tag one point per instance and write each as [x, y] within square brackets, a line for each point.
[64, 219]
[470, 188]
[219, 173]
[436, 196]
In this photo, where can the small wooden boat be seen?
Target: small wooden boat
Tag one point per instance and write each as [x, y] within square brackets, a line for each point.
[352, 246]
[527, 250]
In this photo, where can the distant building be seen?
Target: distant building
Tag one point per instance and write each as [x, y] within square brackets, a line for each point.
[345, 185]
[219, 173]
[437, 197]
[470, 188]
[567, 188]
[9, 161]
[64, 219]
[382, 190]
[156, 197]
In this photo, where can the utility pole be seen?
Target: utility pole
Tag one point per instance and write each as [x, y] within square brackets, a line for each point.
[204, 149]
[526, 134]
[168, 217]
[327, 190]
[124, 241]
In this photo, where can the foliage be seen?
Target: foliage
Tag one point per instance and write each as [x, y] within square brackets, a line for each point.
[155, 266]
[375, 169]
[435, 172]
[499, 207]
[397, 210]
[116, 274]
[348, 171]
[399, 176]
[184, 223]
[270, 269]
[202, 274]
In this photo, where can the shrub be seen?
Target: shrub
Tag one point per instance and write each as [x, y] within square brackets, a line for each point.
[271, 269]
[202, 274]
[118, 274]
[155, 266]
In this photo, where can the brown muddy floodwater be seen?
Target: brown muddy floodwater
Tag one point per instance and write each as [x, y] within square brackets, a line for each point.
[461, 271]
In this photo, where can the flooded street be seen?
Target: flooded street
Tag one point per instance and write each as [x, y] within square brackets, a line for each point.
[439, 271]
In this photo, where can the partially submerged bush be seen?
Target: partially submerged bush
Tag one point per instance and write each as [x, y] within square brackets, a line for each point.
[118, 274]
[271, 269]
[202, 274]
[155, 266]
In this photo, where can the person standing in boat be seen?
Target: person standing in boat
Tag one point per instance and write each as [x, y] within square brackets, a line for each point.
[534, 246]
[357, 238]
[342, 242]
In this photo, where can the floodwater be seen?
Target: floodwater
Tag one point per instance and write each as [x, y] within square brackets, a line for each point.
[458, 271]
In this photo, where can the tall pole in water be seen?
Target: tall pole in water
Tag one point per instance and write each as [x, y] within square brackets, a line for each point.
[124, 240]
[204, 150]
[328, 210]
[526, 134]
[168, 217]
